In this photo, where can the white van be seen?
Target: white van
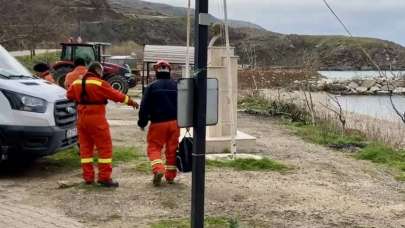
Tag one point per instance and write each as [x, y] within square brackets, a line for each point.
[36, 119]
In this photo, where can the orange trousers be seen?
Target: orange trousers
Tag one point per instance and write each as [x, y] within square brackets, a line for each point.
[94, 132]
[160, 135]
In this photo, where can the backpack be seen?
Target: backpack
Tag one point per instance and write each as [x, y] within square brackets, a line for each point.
[184, 158]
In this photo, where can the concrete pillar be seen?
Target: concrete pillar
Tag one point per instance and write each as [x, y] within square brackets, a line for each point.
[217, 68]
[219, 136]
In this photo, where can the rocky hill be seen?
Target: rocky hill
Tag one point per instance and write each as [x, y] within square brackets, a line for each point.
[29, 24]
[139, 7]
[151, 23]
[321, 52]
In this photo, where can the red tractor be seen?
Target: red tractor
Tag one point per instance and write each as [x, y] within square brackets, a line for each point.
[120, 77]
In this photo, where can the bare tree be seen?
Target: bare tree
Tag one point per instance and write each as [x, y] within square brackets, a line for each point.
[249, 54]
[32, 22]
[8, 18]
[310, 105]
[305, 87]
[255, 89]
[401, 115]
[337, 110]
[44, 23]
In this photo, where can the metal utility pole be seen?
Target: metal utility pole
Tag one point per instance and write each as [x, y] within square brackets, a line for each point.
[199, 116]
[188, 39]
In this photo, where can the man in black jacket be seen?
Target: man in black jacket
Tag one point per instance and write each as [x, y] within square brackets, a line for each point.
[159, 106]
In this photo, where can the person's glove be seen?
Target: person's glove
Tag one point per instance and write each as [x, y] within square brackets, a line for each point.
[133, 103]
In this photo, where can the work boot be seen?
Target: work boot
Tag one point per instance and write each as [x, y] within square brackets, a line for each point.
[157, 179]
[109, 184]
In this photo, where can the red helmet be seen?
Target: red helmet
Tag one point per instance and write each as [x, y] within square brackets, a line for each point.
[162, 64]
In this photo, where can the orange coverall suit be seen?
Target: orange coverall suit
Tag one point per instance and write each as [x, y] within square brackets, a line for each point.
[159, 135]
[47, 76]
[159, 106]
[77, 73]
[92, 124]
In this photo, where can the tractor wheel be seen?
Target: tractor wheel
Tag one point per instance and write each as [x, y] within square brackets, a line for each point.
[60, 75]
[118, 83]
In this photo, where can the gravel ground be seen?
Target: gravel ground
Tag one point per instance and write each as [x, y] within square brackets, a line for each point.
[325, 188]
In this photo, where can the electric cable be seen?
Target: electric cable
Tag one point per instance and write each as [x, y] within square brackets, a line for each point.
[351, 36]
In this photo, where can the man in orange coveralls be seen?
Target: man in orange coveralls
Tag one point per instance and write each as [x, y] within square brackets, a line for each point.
[91, 94]
[42, 70]
[78, 73]
[159, 105]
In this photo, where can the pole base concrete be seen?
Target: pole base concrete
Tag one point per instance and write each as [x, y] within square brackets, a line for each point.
[216, 145]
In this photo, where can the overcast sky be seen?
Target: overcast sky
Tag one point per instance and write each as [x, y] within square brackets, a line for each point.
[372, 18]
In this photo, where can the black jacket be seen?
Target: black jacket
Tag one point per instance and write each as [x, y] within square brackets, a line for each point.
[159, 102]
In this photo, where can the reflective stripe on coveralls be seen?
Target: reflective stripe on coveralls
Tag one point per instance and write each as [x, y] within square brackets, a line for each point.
[157, 161]
[164, 134]
[94, 131]
[100, 160]
[171, 167]
[105, 160]
[87, 160]
[88, 82]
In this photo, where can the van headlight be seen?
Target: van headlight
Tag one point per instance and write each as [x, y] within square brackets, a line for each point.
[22, 102]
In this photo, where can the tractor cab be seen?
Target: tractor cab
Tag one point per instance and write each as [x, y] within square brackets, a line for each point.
[72, 51]
[93, 51]
[120, 77]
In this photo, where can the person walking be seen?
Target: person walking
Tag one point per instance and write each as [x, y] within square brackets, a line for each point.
[78, 73]
[91, 93]
[43, 71]
[159, 106]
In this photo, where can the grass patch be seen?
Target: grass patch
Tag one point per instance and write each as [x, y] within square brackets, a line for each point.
[143, 167]
[382, 154]
[209, 223]
[375, 152]
[29, 62]
[326, 135]
[70, 159]
[324, 132]
[400, 177]
[125, 154]
[265, 164]
[256, 104]
[64, 159]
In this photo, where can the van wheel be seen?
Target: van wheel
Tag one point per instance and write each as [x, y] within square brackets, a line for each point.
[60, 75]
[118, 83]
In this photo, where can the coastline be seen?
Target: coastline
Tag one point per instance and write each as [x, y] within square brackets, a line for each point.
[391, 132]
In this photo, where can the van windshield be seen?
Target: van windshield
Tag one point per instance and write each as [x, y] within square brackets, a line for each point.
[10, 67]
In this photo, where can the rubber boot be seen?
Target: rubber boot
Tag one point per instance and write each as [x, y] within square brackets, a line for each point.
[109, 184]
[157, 179]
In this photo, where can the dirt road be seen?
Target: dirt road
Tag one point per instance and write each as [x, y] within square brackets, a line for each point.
[325, 188]
[27, 52]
